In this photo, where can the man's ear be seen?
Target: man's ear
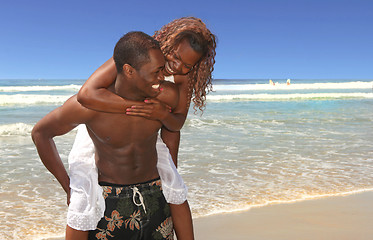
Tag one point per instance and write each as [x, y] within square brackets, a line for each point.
[128, 70]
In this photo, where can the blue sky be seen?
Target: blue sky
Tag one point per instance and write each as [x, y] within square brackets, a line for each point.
[257, 39]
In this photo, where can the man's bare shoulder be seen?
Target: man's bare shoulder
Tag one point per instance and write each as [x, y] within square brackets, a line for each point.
[169, 94]
[63, 119]
[73, 111]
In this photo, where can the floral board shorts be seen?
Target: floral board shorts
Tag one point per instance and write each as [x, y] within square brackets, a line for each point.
[137, 211]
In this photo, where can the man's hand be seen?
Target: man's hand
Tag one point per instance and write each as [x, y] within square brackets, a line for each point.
[153, 109]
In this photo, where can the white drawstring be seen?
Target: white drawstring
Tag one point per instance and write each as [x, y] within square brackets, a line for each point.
[136, 191]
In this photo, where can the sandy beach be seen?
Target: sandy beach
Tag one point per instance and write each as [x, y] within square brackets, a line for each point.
[342, 217]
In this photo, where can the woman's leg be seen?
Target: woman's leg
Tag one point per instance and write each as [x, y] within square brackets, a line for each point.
[182, 219]
[73, 234]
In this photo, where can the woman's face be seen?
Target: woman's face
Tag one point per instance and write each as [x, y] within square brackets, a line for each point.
[182, 60]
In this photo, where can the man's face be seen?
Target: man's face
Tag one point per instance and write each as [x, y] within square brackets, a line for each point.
[150, 75]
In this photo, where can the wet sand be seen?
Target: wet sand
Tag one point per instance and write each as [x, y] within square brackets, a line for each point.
[342, 217]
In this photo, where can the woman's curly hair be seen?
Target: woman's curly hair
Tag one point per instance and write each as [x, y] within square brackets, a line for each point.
[200, 76]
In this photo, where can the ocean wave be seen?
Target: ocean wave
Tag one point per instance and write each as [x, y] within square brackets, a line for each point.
[39, 99]
[72, 87]
[295, 96]
[16, 129]
[26, 99]
[296, 86]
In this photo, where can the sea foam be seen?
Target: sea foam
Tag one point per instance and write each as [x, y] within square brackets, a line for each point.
[297, 86]
[71, 87]
[294, 96]
[15, 129]
[29, 99]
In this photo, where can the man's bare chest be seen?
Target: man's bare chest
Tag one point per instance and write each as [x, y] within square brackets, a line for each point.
[120, 130]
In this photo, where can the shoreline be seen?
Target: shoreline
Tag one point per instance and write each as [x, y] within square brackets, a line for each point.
[277, 202]
[334, 217]
[342, 217]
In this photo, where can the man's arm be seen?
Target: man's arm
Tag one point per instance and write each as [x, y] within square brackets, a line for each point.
[58, 122]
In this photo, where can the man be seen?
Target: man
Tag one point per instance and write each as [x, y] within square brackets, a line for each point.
[125, 146]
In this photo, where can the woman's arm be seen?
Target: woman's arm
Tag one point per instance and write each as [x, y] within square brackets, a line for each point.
[172, 141]
[172, 138]
[154, 109]
[174, 120]
[94, 94]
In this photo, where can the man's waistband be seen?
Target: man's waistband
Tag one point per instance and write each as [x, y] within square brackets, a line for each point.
[150, 183]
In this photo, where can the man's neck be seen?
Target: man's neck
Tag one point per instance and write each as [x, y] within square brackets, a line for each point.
[124, 89]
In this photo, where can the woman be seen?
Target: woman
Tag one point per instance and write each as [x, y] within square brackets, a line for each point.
[189, 49]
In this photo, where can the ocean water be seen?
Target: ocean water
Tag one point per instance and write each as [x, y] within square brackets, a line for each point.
[255, 144]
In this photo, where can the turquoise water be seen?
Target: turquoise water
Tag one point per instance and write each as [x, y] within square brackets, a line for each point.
[255, 144]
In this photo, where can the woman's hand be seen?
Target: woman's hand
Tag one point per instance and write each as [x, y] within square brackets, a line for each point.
[152, 109]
